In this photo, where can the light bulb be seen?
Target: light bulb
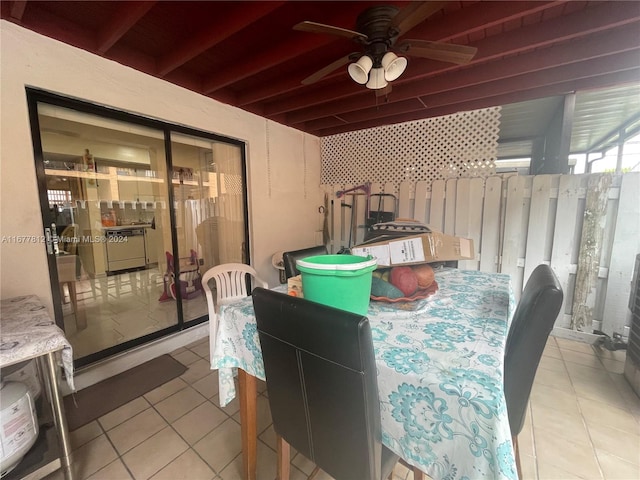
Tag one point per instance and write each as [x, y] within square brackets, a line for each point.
[376, 79]
[359, 71]
[393, 66]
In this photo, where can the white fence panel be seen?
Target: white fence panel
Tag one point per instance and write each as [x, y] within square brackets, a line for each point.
[515, 230]
[405, 209]
[422, 202]
[626, 245]
[587, 227]
[436, 211]
[541, 222]
[450, 207]
[489, 242]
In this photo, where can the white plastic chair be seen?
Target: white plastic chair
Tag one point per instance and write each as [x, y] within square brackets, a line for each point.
[231, 286]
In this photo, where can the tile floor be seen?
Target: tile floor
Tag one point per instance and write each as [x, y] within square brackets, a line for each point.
[583, 423]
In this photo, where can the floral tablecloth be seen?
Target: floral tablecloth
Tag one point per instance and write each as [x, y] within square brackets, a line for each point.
[440, 370]
[27, 331]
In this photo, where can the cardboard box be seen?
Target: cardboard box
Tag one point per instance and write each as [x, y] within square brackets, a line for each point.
[415, 249]
[294, 286]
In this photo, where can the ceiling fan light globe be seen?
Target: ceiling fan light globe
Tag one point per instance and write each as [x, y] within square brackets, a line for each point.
[376, 79]
[393, 66]
[359, 71]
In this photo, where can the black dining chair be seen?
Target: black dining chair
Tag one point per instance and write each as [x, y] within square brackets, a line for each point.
[531, 325]
[322, 386]
[289, 258]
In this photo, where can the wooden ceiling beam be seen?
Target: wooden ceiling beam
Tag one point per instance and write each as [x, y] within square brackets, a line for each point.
[605, 43]
[59, 28]
[377, 110]
[17, 9]
[459, 23]
[295, 44]
[617, 62]
[236, 20]
[126, 15]
[602, 81]
[285, 50]
[461, 94]
[476, 18]
[584, 22]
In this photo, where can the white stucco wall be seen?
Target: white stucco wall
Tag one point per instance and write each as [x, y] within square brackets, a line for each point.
[284, 192]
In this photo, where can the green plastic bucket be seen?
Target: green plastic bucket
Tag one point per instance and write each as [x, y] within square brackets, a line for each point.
[341, 281]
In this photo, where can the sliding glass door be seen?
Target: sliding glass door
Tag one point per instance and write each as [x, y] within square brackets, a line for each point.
[208, 191]
[135, 214]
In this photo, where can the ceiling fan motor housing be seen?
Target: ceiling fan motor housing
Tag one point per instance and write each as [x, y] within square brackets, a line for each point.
[375, 23]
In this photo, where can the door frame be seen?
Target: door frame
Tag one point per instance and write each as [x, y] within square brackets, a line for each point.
[36, 96]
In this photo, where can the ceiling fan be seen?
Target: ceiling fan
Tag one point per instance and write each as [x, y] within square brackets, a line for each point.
[378, 30]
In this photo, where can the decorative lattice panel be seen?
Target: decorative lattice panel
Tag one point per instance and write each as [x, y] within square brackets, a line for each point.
[461, 145]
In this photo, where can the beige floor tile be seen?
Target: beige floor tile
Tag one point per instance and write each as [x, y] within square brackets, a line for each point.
[553, 398]
[197, 370]
[552, 351]
[136, 430]
[202, 349]
[556, 455]
[269, 438]
[263, 412]
[303, 463]
[575, 346]
[552, 363]
[230, 409]
[221, 445]
[613, 366]
[186, 358]
[554, 378]
[84, 434]
[586, 359]
[598, 413]
[630, 396]
[179, 403]
[552, 422]
[604, 391]
[198, 342]
[528, 467]
[165, 390]
[207, 386]
[583, 372]
[199, 421]
[125, 412]
[614, 468]
[92, 456]
[261, 386]
[154, 453]
[266, 465]
[617, 442]
[114, 471]
[525, 437]
[188, 466]
[553, 472]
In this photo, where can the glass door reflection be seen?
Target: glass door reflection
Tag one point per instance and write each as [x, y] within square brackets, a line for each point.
[209, 197]
[109, 205]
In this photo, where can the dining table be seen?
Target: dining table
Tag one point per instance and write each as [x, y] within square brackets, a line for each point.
[440, 363]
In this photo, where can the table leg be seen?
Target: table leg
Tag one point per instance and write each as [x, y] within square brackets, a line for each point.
[247, 391]
[59, 417]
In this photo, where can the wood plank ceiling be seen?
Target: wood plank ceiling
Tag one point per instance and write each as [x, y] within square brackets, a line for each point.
[248, 55]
